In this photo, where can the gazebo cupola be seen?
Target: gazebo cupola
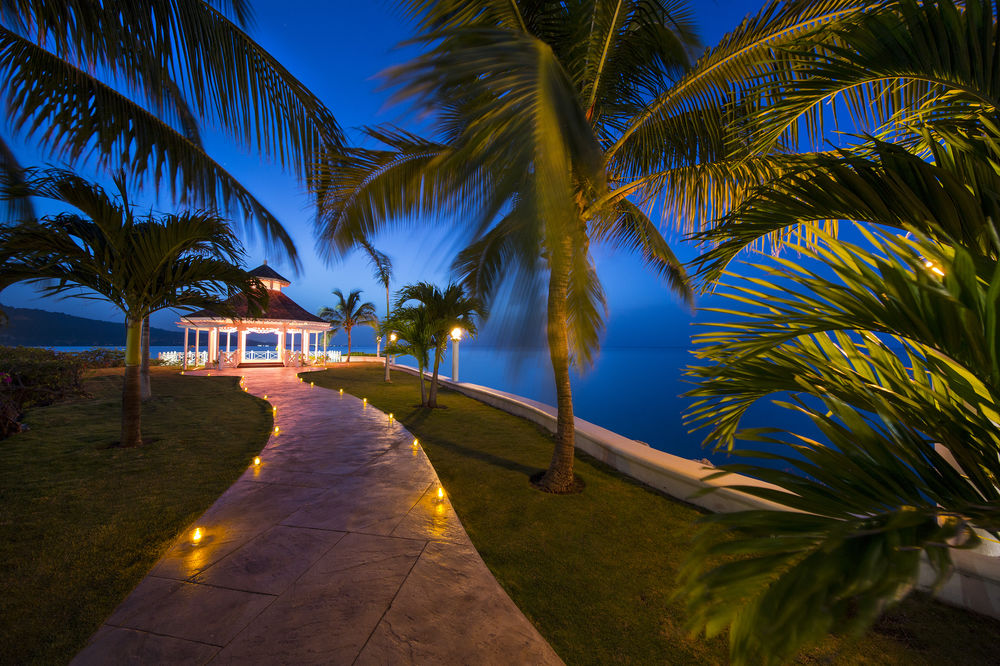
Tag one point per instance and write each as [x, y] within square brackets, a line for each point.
[283, 317]
[270, 277]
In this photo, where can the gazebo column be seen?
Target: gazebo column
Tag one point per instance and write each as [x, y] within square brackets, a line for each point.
[326, 358]
[281, 345]
[242, 340]
[197, 339]
[184, 361]
[213, 345]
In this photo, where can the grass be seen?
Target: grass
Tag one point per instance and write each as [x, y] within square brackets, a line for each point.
[81, 522]
[595, 571]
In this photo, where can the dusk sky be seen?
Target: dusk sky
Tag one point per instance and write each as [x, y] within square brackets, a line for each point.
[338, 49]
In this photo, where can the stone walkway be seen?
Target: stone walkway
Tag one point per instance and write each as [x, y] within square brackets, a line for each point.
[335, 550]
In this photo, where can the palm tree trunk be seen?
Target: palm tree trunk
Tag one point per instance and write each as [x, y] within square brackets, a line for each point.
[131, 394]
[423, 399]
[348, 344]
[559, 477]
[385, 334]
[145, 390]
[432, 399]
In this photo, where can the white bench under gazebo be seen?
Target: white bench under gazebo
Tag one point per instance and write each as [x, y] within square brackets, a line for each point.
[284, 318]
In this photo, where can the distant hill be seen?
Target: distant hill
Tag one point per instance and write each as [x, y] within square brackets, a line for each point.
[41, 328]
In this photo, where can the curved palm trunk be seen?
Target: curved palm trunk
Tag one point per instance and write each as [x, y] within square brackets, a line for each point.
[432, 400]
[131, 394]
[423, 398]
[348, 344]
[386, 337]
[145, 390]
[559, 476]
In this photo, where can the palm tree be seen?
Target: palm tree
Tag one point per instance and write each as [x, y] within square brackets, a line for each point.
[142, 265]
[446, 309]
[906, 401]
[126, 85]
[348, 313]
[531, 99]
[414, 329]
[893, 356]
[382, 269]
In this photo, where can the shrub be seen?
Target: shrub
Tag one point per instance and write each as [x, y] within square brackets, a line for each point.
[99, 357]
[30, 377]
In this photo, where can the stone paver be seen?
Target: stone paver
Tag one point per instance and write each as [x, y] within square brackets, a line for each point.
[335, 550]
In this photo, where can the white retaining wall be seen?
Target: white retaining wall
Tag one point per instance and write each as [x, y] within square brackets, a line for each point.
[975, 584]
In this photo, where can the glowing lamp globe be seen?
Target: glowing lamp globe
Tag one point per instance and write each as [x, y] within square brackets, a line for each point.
[456, 333]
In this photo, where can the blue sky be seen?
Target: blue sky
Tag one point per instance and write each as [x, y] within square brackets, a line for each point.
[337, 49]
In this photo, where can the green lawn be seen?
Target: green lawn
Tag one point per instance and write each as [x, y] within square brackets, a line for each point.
[82, 523]
[595, 571]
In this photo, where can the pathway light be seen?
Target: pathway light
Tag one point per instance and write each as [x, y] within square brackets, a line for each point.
[256, 461]
[196, 536]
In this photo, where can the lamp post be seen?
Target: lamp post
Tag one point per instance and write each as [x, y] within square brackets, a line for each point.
[456, 337]
[378, 345]
[389, 359]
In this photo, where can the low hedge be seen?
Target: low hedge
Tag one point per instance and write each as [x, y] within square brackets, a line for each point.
[31, 377]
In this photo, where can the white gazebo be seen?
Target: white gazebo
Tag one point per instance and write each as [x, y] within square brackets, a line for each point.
[284, 318]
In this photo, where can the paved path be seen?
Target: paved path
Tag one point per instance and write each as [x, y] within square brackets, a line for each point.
[334, 551]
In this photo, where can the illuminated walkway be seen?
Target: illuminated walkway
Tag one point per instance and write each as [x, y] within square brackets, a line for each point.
[336, 550]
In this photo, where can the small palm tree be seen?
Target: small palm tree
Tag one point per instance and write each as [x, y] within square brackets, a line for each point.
[414, 329]
[348, 313]
[142, 265]
[446, 310]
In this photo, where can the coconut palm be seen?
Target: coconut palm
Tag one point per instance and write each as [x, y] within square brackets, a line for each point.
[348, 313]
[382, 269]
[127, 84]
[414, 329]
[531, 99]
[447, 309]
[141, 265]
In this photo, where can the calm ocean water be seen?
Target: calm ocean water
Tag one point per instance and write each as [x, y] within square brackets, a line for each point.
[634, 392]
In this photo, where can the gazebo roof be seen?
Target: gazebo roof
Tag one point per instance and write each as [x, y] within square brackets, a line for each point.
[266, 272]
[279, 307]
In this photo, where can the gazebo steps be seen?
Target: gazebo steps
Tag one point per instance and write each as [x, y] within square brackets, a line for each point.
[272, 364]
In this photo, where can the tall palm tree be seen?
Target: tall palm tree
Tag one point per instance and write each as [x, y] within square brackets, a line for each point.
[382, 269]
[414, 330]
[348, 313]
[531, 99]
[127, 84]
[141, 265]
[447, 309]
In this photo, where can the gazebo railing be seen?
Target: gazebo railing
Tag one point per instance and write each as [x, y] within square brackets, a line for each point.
[258, 355]
[177, 358]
